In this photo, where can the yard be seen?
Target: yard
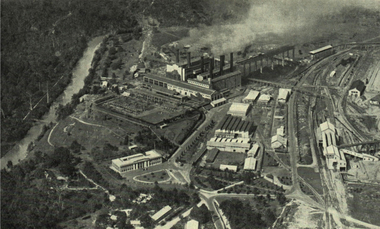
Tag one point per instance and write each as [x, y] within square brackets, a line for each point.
[311, 178]
[158, 176]
[228, 158]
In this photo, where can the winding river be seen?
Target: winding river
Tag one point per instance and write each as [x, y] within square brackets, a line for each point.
[20, 151]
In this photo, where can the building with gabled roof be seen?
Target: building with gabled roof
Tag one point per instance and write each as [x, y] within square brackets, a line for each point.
[357, 88]
[251, 97]
[321, 52]
[239, 109]
[283, 95]
[278, 141]
[161, 213]
[250, 163]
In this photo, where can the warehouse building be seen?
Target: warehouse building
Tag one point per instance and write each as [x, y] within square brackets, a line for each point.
[180, 87]
[136, 161]
[239, 109]
[321, 52]
[250, 164]
[278, 142]
[192, 224]
[251, 97]
[254, 150]
[357, 88]
[335, 158]
[229, 144]
[234, 127]
[218, 102]
[264, 99]
[161, 213]
[283, 95]
[232, 168]
[327, 131]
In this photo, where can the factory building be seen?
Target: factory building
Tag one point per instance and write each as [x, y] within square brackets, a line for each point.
[254, 150]
[335, 158]
[218, 102]
[180, 87]
[136, 161]
[232, 168]
[283, 95]
[239, 109]
[264, 99]
[207, 72]
[357, 88]
[250, 164]
[234, 127]
[278, 142]
[239, 145]
[321, 52]
[251, 97]
[328, 136]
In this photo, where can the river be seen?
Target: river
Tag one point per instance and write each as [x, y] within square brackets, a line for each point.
[20, 151]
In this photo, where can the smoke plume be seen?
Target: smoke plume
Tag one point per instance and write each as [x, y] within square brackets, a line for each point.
[281, 17]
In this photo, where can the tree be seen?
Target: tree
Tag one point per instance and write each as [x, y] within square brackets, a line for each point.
[201, 214]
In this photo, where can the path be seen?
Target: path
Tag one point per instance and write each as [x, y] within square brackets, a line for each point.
[48, 140]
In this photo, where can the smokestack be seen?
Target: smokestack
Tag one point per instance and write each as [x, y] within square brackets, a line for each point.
[188, 59]
[221, 64]
[177, 56]
[231, 62]
[211, 68]
[202, 64]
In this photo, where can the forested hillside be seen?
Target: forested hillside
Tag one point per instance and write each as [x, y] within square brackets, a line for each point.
[42, 40]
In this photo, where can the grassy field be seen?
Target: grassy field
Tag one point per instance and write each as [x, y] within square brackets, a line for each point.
[154, 176]
[312, 178]
[228, 158]
[364, 203]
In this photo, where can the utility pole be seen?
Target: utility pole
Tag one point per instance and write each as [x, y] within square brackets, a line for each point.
[47, 92]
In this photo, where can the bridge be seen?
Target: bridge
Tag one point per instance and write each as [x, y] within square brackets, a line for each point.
[363, 156]
[267, 60]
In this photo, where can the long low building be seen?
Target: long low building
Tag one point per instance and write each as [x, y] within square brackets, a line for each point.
[136, 161]
[321, 52]
[250, 163]
[229, 145]
[234, 127]
[159, 215]
[251, 97]
[181, 87]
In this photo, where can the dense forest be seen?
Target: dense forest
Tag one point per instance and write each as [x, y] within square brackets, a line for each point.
[42, 41]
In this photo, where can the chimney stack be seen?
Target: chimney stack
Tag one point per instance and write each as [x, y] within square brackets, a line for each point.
[202, 64]
[188, 59]
[211, 68]
[221, 64]
[231, 62]
[177, 56]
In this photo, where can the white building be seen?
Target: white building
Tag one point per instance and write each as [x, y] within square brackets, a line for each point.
[328, 134]
[161, 213]
[251, 97]
[357, 88]
[232, 168]
[264, 99]
[229, 145]
[234, 127]
[250, 163]
[253, 151]
[278, 142]
[136, 161]
[335, 159]
[283, 95]
[239, 109]
[192, 224]
[218, 102]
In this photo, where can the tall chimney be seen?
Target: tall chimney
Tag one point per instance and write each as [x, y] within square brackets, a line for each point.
[202, 64]
[188, 59]
[177, 56]
[221, 64]
[231, 62]
[211, 68]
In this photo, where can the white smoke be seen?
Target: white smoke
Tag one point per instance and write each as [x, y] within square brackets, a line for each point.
[281, 17]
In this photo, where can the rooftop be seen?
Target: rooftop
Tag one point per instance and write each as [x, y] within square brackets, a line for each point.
[327, 125]
[192, 224]
[321, 49]
[239, 107]
[264, 98]
[252, 95]
[181, 84]
[283, 93]
[250, 163]
[224, 76]
[139, 157]
[231, 123]
[218, 100]
[161, 212]
[358, 84]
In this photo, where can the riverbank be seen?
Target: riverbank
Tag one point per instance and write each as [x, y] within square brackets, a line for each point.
[79, 74]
